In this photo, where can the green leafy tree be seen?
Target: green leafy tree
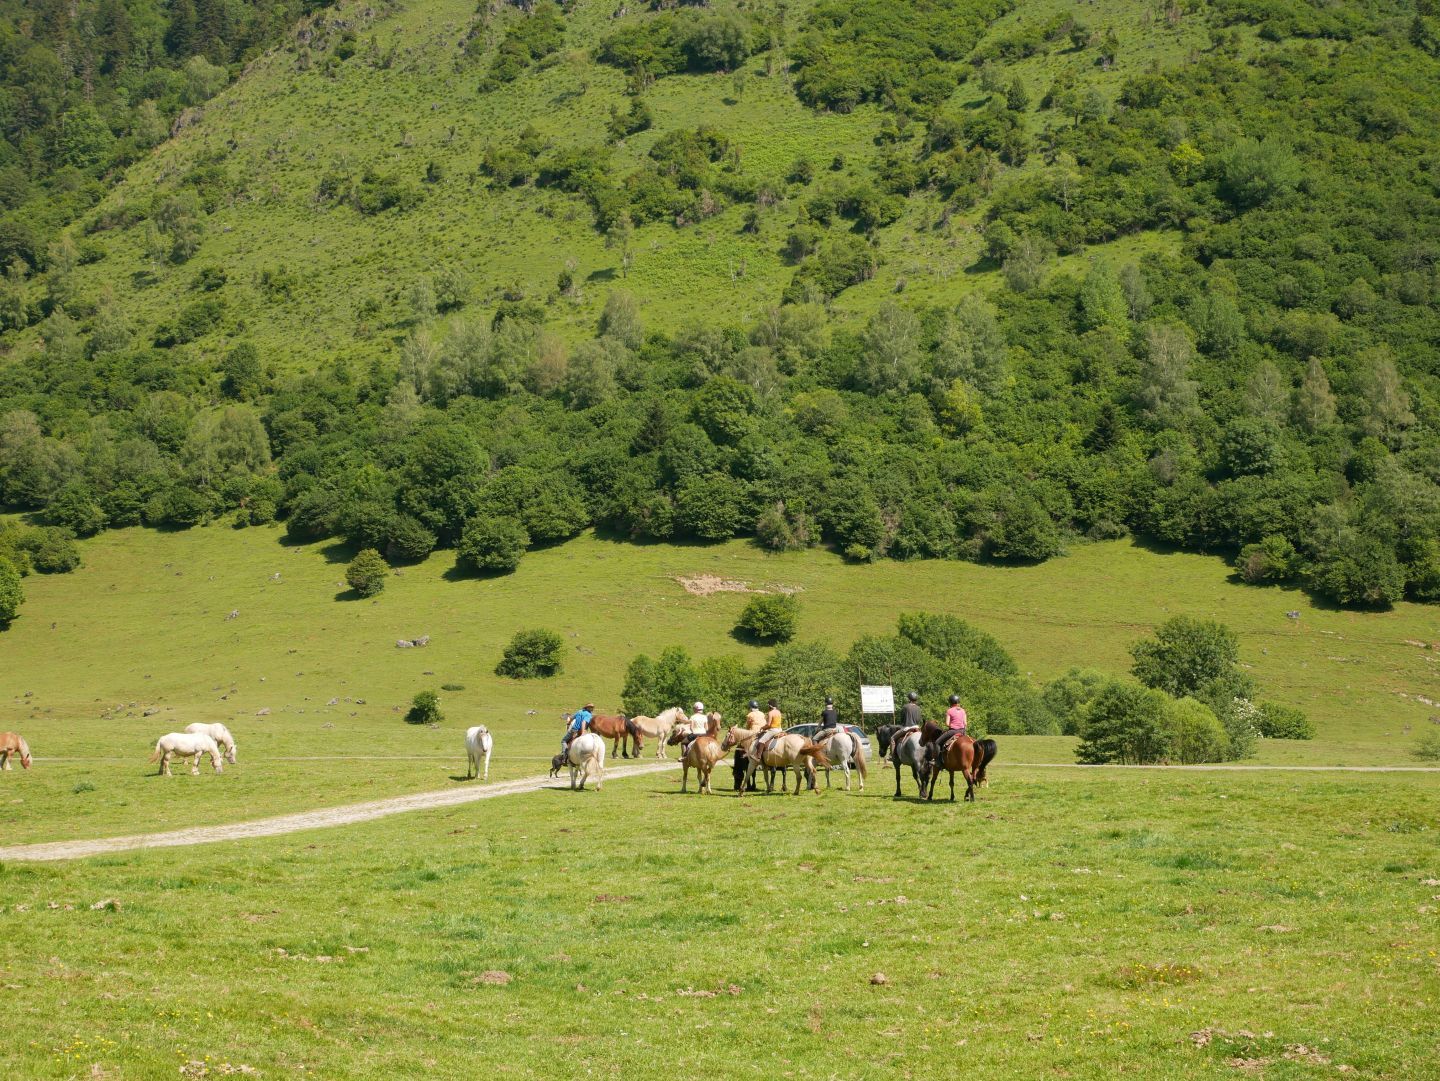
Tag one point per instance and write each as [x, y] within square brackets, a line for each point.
[367, 573]
[12, 594]
[1190, 657]
[770, 617]
[533, 654]
[492, 544]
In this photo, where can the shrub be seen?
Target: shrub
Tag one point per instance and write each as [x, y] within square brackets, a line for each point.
[1428, 749]
[1124, 725]
[951, 638]
[492, 544]
[409, 541]
[1193, 733]
[53, 551]
[770, 617]
[1195, 657]
[1284, 722]
[425, 709]
[1069, 697]
[74, 507]
[367, 572]
[531, 654]
[12, 595]
[1272, 560]
[1359, 570]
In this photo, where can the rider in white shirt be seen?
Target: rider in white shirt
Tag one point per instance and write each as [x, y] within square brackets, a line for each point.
[699, 721]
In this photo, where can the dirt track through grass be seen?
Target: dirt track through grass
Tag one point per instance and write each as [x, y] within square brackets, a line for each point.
[344, 815]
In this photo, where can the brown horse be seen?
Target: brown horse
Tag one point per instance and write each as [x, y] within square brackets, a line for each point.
[962, 755]
[619, 728]
[701, 755]
[13, 743]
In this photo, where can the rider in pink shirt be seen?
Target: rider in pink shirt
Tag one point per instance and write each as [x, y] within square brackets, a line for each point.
[955, 718]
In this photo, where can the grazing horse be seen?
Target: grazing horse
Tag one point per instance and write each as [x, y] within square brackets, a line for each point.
[189, 745]
[13, 743]
[901, 745]
[219, 733]
[785, 750]
[586, 753]
[962, 755]
[616, 727]
[843, 747]
[658, 728]
[478, 745]
[701, 756]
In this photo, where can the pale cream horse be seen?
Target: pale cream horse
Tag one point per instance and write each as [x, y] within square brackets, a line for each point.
[189, 745]
[700, 754]
[14, 743]
[478, 745]
[219, 733]
[586, 753]
[659, 727]
[843, 748]
[786, 750]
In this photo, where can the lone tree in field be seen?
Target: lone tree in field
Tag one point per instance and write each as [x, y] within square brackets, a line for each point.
[12, 596]
[425, 709]
[770, 618]
[1196, 657]
[367, 572]
[531, 654]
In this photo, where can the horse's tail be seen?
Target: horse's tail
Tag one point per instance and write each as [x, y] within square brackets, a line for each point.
[988, 748]
[816, 753]
[158, 752]
[860, 757]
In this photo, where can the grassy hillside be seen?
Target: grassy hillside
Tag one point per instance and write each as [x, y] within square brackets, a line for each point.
[142, 626]
[1088, 925]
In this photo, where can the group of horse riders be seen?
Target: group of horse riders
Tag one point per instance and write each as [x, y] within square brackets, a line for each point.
[771, 723]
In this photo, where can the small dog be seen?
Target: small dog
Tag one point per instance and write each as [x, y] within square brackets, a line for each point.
[558, 763]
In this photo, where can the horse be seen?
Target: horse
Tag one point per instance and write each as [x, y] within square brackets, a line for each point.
[785, 750]
[219, 733]
[477, 751]
[701, 755]
[900, 744]
[616, 727]
[658, 728]
[962, 755]
[13, 743]
[586, 752]
[843, 747]
[189, 745]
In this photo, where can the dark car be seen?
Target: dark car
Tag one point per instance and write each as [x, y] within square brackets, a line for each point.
[809, 731]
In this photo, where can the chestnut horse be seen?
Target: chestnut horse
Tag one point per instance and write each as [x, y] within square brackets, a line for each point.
[616, 727]
[701, 755]
[962, 755]
[13, 743]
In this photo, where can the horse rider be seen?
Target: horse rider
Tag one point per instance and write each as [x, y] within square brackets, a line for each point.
[829, 716]
[910, 714]
[956, 723]
[772, 725]
[699, 725]
[755, 721]
[578, 720]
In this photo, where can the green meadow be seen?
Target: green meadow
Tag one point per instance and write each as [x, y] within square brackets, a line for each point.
[142, 626]
[1072, 923]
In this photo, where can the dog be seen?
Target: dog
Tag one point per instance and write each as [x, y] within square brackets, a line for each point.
[558, 763]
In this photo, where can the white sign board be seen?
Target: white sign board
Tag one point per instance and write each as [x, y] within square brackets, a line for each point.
[877, 700]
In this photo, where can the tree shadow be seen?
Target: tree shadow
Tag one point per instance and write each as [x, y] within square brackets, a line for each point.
[459, 573]
[349, 595]
[605, 274]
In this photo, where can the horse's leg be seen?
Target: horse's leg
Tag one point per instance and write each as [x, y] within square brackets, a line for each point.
[952, 785]
[684, 776]
[487, 767]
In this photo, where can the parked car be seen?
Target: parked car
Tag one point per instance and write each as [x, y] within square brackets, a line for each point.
[809, 731]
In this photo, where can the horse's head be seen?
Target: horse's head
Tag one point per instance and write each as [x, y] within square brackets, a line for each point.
[230, 753]
[633, 730]
[677, 737]
[24, 755]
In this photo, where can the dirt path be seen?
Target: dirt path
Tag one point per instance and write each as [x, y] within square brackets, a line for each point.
[304, 820]
[450, 797]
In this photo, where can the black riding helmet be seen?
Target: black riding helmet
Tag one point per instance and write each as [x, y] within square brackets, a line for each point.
[913, 696]
[829, 701]
[754, 704]
[954, 699]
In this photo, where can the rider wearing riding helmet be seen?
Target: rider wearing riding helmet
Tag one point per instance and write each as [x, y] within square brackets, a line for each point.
[910, 714]
[956, 723]
[829, 716]
[755, 720]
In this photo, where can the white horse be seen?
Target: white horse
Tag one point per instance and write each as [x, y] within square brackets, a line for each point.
[659, 727]
[189, 745]
[219, 733]
[844, 749]
[586, 751]
[477, 750]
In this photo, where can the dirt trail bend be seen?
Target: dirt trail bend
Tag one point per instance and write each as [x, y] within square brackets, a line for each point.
[303, 820]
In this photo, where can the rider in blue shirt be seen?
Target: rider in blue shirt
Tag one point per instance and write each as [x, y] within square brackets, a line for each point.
[577, 724]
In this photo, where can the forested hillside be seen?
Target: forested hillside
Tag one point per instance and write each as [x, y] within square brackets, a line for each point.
[966, 279]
